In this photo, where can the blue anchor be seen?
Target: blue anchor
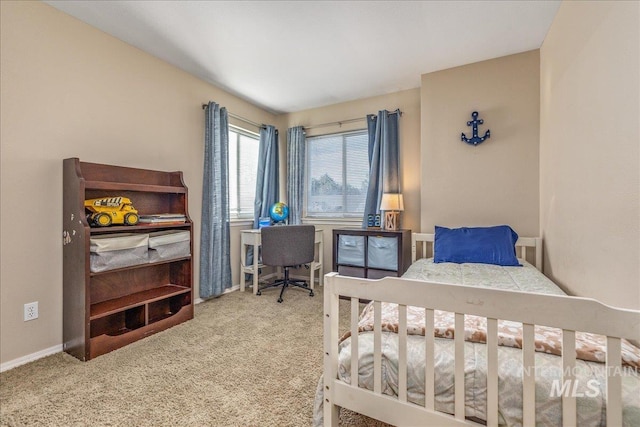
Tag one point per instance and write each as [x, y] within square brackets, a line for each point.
[475, 140]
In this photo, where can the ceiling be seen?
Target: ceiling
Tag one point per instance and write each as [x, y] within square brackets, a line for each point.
[288, 56]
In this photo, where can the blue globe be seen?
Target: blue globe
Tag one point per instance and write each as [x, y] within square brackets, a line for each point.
[279, 212]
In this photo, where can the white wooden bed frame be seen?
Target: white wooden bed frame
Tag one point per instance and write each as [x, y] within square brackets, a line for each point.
[565, 312]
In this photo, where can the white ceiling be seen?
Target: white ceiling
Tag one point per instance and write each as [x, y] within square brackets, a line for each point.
[288, 56]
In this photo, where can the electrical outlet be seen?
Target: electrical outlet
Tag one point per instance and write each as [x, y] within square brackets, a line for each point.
[31, 311]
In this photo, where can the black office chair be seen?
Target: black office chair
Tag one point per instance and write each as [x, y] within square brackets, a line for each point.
[287, 246]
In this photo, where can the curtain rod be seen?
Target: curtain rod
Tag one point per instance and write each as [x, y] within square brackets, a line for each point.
[242, 119]
[341, 122]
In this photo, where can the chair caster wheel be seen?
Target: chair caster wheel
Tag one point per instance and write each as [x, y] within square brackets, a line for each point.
[280, 300]
[258, 293]
[311, 294]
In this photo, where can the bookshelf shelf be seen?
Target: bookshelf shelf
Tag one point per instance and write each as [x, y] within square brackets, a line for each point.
[122, 186]
[126, 302]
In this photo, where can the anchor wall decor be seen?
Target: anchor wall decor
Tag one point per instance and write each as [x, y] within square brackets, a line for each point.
[475, 139]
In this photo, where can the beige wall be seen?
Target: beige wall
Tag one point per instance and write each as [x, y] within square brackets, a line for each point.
[408, 102]
[563, 160]
[495, 182]
[589, 151]
[69, 90]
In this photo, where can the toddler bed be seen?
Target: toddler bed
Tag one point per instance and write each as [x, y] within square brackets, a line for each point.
[507, 368]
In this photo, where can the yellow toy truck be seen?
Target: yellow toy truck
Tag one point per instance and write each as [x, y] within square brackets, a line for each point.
[111, 210]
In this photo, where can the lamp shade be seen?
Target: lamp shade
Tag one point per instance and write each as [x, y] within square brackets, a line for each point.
[391, 202]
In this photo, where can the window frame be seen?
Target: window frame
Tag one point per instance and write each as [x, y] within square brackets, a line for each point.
[332, 217]
[235, 215]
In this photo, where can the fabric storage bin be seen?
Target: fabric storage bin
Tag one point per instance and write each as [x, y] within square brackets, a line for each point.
[118, 250]
[169, 244]
[351, 250]
[382, 252]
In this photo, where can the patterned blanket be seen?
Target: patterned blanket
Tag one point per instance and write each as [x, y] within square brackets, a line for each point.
[589, 347]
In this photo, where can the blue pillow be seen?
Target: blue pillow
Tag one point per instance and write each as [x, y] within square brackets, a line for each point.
[487, 245]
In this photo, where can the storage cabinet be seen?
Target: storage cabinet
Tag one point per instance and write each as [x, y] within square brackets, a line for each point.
[108, 309]
[371, 254]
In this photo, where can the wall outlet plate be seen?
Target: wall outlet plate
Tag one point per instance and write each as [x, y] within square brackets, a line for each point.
[31, 311]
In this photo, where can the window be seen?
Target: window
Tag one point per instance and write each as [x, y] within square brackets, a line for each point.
[337, 175]
[243, 168]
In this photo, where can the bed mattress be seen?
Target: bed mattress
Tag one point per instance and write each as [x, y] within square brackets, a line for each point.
[526, 278]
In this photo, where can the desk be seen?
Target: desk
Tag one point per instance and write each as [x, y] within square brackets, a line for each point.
[254, 238]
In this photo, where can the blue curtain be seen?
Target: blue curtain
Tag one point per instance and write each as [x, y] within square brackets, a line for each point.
[295, 173]
[384, 159]
[215, 260]
[267, 180]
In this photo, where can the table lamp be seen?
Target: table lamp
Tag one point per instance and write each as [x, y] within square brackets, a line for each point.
[391, 204]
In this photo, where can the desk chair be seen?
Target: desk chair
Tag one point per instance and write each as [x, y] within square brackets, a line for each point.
[287, 246]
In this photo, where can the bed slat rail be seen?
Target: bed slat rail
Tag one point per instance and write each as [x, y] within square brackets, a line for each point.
[331, 323]
[355, 310]
[528, 377]
[402, 353]
[569, 314]
[377, 346]
[568, 377]
[429, 373]
[459, 367]
[614, 382]
[492, 369]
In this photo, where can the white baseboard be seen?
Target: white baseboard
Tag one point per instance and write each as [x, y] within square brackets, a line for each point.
[30, 357]
[226, 291]
[231, 289]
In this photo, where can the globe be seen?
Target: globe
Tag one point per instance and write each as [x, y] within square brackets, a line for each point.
[279, 212]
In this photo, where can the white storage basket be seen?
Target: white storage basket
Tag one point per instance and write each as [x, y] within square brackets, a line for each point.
[382, 252]
[351, 250]
[171, 244]
[118, 250]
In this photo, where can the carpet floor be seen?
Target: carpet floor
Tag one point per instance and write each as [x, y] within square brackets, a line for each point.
[243, 360]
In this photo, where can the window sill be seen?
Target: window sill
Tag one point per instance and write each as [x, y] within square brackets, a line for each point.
[346, 222]
[241, 222]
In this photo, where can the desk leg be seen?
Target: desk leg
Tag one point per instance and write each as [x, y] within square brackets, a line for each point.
[256, 254]
[321, 262]
[312, 272]
[243, 261]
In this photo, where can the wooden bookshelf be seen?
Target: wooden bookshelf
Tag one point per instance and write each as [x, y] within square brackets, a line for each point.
[106, 310]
